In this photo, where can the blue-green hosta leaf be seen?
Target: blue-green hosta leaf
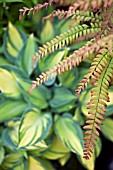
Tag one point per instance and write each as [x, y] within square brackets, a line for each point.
[12, 160]
[8, 84]
[11, 1]
[50, 60]
[107, 129]
[38, 96]
[90, 164]
[2, 154]
[13, 42]
[11, 108]
[34, 127]
[69, 132]
[35, 164]
[25, 55]
[10, 135]
[62, 96]
[47, 32]
[69, 79]
[56, 150]
[109, 110]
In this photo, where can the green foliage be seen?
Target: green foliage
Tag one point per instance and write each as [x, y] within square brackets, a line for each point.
[46, 125]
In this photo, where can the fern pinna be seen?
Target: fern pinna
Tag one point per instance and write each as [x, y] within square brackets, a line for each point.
[95, 24]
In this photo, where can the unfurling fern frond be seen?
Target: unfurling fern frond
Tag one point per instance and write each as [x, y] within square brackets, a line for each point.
[67, 38]
[97, 105]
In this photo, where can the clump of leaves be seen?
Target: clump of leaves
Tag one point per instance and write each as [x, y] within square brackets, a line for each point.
[95, 24]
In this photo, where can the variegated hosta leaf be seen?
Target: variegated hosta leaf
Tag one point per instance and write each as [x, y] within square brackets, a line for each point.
[61, 97]
[34, 127]
[8, 84]
[11, 160]
[13, 44]
[35, 164]
[11, 108]
[56, 150]
[2, 154]
[69, 132]
[107, 129]
[25, 55]
[64, 159]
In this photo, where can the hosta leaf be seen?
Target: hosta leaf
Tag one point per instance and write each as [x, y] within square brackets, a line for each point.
[10, 137]
[64, 108]
[84, 98]
[37, 97]
[2, 154]
[12, 160]
[107, 129]
[35, 164]
[69, 79]
[109, 110]
[20, 167]
[64, 159]
[78, 116]
[61, 97]
[4, 61]
[56, 150]
[25, 55]
[11, 108]
[12, 45]
[47, 32]
[50, 60]
[34, 127]
[69, 132]
[8, 84]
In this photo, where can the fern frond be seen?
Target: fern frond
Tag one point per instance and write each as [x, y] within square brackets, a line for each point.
[89, 4]
[25, 10]
[66, 38]
[72, 60]
[86, 16]
[96, 68]
[77, 16]
[97, 106]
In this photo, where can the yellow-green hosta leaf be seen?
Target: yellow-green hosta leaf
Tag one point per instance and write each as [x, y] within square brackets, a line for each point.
[47, 32]
[34, 127]
[64, 159]
[13, 42]
[61, 97]
[11, 108]
[35, 164]
[8, 84]
[15, 37]
[56, 150]
[37, 148]
[50, 60]
[4, 61]
[48, 165]
[84, 99]
[25, 55]
[2, 154]
[69, 132]
[11, 160]
[107, 129]
[20, 167]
